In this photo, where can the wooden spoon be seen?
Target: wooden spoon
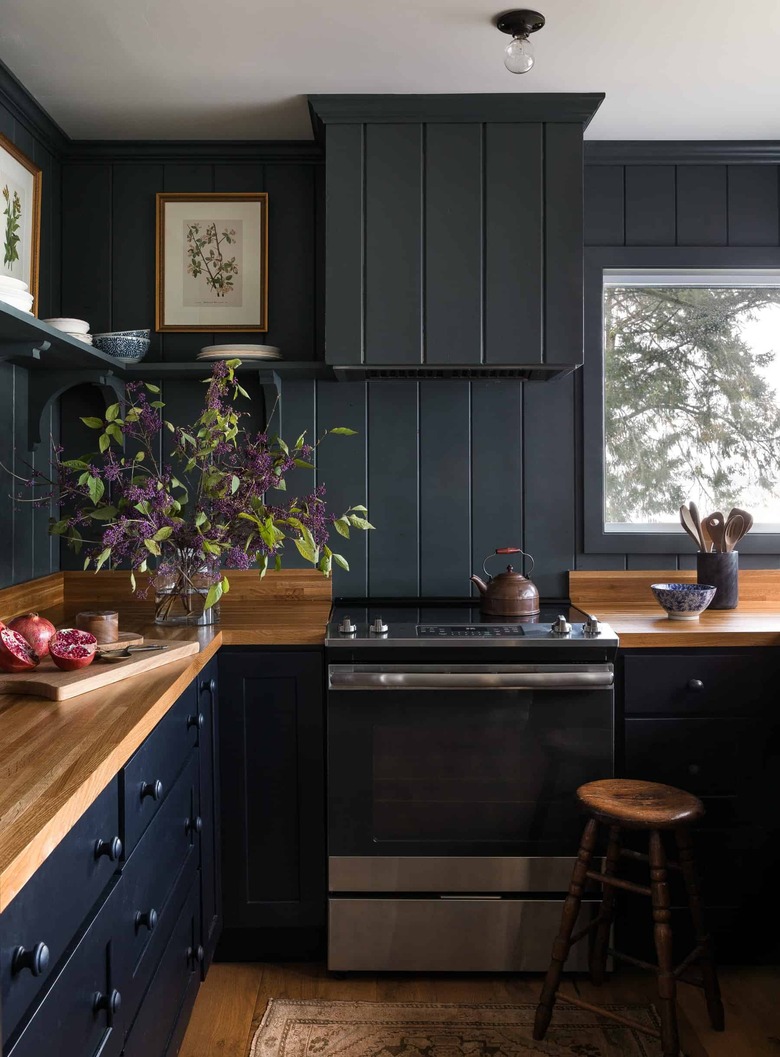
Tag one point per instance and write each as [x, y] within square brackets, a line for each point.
[747, 519]
[114, 656]
[687, 522]
[716, 526]
[735, 530]
[704, 541]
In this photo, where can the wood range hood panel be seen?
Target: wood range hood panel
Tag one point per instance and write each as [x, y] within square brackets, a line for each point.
[454, 234]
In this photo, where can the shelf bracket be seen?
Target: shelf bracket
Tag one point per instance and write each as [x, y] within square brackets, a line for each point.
[21, 352]
[271, 388]
[46, 387]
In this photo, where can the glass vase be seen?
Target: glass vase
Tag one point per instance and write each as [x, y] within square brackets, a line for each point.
[181, 585]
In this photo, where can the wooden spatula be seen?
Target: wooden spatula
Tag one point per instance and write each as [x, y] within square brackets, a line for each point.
[716, 526]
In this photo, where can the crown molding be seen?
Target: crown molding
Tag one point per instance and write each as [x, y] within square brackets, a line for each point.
[28, 112]
[682, 152]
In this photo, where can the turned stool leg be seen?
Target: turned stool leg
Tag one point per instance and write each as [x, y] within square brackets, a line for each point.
[598, 951]
[571, 909]
[662, 933]
[703, 939]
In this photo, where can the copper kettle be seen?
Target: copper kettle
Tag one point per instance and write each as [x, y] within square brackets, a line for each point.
[509, 594]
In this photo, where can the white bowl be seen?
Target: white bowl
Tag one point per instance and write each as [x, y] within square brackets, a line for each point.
[70, 326]
[12, 284]
[23, 301]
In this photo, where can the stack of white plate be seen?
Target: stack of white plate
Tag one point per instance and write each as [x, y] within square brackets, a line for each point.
[74, 328]
[239, 352]
[14, 292]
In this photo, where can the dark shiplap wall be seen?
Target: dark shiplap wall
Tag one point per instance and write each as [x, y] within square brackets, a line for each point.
[27, 549]
[677, 205]
[449, 470]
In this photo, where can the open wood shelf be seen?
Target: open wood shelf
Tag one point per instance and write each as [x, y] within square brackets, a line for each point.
[27, 342]
[294, 369]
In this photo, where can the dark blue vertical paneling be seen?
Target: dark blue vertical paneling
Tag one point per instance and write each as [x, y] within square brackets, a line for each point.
[604, 205]
[23, 522]
[7, 484]
[341, 467]
[513, 243]
[297, 414]
[87, 244]
[563, 243]
[393, 239]
[241, 177]
[394, 488]
[549, 477]
[651, 215]
[291, 249]
[48, 274]
[701, 205]
[453, 244]
[344, 274]
[753, 205]
[134, 188]
[445, 492]
[193, 178]
[496, 468]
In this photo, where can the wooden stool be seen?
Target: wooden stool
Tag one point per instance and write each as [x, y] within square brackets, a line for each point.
[622, 804]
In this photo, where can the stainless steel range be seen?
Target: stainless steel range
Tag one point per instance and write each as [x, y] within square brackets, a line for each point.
[455, 745]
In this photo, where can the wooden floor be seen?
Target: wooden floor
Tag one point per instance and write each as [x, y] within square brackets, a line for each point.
[233, 999]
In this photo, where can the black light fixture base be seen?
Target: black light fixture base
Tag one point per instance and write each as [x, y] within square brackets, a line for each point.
[519, 23]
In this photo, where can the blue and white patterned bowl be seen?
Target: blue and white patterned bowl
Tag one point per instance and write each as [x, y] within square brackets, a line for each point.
[124, 334]
[121, 346]
[683, 601]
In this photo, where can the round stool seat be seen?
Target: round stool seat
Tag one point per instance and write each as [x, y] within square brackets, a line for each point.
[639, 805]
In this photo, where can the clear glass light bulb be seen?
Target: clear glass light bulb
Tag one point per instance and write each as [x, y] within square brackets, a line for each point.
[519, 55]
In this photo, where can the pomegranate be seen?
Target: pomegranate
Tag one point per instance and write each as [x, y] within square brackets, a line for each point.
[35, 630]
[71, 648]
[16, 654]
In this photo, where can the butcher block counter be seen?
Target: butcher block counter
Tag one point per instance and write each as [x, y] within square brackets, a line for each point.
[56, 757]
[624, 600]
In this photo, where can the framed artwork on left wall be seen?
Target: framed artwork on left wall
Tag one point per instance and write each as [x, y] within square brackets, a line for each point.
[20, 218]
[212, 262]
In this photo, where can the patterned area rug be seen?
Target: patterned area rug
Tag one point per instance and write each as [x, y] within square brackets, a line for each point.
[408, 1029]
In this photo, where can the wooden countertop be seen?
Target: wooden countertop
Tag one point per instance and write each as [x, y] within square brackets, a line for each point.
[56, 757]
[624, 600]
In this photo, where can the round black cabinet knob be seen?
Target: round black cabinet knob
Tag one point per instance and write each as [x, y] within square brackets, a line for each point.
[110, 1002]
[694, 768]
[195, 954]
[36, 959]
[146, 919]
[695, 684]
[152, 789]
[112, 849]
[197, 720]
[194, 825]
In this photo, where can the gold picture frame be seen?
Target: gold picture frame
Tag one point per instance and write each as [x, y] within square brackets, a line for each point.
[20, 217]
[211, 262]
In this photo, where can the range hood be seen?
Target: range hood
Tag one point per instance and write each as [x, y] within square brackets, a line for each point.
[454, 234]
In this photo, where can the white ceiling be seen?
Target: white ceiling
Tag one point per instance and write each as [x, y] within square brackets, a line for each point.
[224, 69]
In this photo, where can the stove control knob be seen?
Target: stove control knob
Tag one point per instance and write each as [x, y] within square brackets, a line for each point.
[592, 626]
[346, 627]
[561, 626]
[378, 627]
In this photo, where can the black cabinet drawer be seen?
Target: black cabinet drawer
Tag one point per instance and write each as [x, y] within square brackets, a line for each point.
[55, 902]
[152, 771]
[166, 852]
[683, 683]
[708, 757]
[177, 973]
[81, 1015]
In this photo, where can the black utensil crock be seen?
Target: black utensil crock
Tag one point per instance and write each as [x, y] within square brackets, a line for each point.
[722, 571]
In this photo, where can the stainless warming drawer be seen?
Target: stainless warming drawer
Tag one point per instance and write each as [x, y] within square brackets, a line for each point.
[469, 934]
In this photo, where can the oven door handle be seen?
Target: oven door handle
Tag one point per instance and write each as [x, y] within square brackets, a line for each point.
[593, 679]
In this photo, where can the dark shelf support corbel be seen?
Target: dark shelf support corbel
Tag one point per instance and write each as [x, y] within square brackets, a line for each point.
[21, 352]
[271, 387]
[45, 387]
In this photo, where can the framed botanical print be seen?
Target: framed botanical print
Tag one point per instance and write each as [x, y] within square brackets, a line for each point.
[20, 217]
[212, 262]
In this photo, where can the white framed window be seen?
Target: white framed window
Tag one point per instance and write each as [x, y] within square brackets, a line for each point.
[689, 395]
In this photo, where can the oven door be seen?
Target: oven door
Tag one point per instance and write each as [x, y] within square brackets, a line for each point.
[433, 761]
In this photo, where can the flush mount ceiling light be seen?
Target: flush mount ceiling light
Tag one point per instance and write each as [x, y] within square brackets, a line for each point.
[519, 54]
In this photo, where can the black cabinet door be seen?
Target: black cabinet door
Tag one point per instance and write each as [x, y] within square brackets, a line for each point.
[272, 789]
[210, 862]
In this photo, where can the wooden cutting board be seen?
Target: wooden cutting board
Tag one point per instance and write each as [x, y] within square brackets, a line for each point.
[48, 681]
